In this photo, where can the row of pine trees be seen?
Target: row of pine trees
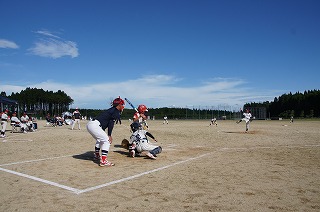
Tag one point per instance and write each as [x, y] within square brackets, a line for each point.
[298, 105]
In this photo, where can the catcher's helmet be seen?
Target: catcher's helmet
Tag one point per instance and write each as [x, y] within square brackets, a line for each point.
[142, 108]
[135, 126]
[117, 101]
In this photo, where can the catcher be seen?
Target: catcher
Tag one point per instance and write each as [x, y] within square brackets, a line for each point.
[139, 144]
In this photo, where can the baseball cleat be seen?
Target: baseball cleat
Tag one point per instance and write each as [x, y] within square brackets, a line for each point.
[149, 155]
[106, 163]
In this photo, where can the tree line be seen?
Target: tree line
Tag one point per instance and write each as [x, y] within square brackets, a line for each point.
[40, 102]
[298, 105]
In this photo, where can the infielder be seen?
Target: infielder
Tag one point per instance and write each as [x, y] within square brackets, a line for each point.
[97, 126]
[247, 118]
[139, 142]
[213, 122]
[4, 122]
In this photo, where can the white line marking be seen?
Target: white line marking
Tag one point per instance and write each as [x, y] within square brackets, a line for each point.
[265, 147]
[41, 180]
[137, 175]
[79, 191]
[17, 140]
[29, 161]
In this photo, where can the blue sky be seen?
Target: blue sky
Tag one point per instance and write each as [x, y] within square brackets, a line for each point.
[162, 53]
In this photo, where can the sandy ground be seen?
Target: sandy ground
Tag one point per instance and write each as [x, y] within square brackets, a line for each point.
[274, 167]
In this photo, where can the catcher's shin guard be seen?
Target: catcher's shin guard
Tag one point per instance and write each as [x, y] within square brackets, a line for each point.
[156, 150]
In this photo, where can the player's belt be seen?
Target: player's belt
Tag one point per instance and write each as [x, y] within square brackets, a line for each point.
[98, 121]
[3, 119]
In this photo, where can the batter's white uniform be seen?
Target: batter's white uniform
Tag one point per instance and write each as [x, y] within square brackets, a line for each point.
[138, 117]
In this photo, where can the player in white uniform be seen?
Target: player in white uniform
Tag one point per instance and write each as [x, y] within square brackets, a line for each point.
[140, 116]
[4, 122]
[15, 120]
[139, 142]
[97, 126]
[214, 121]
[25, 123]
[247, 118]
[165, 119]
[76, 114]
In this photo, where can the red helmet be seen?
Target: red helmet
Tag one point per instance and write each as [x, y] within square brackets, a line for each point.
[142, 108]
[118, 101]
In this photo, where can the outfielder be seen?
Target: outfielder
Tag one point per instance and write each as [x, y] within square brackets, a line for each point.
[97, 126]
[4, 122]
[165, 119]
[139, 142]
[247, 118]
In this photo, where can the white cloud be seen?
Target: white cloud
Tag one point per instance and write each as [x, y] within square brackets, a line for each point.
[46, 33]
[156, 93]
[8, 44]
[53, 46]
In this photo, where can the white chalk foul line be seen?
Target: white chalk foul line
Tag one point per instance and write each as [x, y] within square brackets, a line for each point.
[79, 191]
[41, 180]
[30, 161]
[137, 175]
[17, 140]
[265, 147]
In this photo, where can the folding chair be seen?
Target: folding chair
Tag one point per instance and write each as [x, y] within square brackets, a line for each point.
[15, 127]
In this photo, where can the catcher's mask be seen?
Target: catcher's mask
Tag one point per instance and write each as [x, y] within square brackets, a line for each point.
[135, 126]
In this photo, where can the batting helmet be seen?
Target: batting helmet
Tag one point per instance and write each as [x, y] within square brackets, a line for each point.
[135, 126]
[117, 101]
[142, 108]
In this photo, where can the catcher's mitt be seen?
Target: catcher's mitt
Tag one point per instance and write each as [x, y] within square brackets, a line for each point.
[125, 143]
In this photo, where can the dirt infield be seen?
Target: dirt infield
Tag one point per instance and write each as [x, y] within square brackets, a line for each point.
[274, 167]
